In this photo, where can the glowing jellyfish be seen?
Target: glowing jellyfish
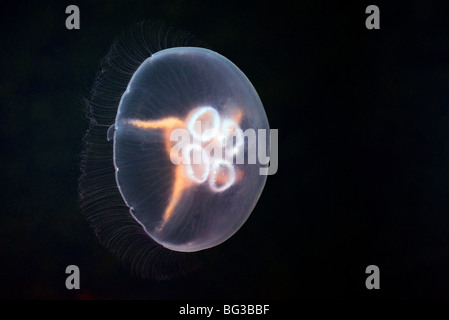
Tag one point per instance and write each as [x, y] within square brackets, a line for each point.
[184, 150]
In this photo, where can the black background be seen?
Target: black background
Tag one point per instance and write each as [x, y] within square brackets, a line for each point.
[363, 119]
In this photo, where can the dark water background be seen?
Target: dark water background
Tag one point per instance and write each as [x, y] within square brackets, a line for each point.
[363, 119]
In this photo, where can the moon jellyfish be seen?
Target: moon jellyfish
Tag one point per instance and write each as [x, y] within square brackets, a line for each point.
[171, 162]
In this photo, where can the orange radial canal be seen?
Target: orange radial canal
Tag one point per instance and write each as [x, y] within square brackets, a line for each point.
[184, 175]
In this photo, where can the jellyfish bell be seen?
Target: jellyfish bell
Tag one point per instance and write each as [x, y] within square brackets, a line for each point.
[200, 91]
[160, 180]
